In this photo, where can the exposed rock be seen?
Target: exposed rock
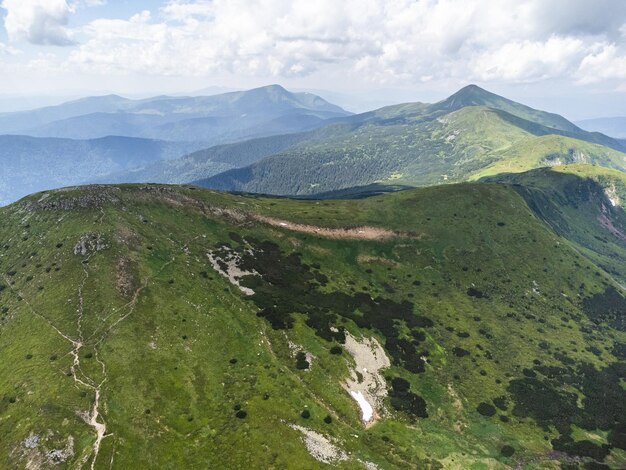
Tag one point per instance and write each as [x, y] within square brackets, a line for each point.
[61, 455]
[228, 263]
[366, 384]
[89, 243]
[88, 197]
[611, 194]
[320, 447]
[126, 281]
[31, 441]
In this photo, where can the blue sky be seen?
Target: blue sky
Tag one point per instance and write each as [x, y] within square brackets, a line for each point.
[568, 56]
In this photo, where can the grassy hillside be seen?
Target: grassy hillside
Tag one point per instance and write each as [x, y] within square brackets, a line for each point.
[126, 344]
[584, 204]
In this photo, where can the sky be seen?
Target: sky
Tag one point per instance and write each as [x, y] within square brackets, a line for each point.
[567, 56]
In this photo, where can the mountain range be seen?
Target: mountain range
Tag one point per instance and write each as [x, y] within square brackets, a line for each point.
[272, 141]
[469, 135]
[419, 286]
[213, 119]
[91, 138]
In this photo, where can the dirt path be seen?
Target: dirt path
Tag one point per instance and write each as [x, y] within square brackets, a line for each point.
[91, 417]
[354, 233]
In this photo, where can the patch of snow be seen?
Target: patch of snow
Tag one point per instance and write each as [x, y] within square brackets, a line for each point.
[366, 409]
[611, 194]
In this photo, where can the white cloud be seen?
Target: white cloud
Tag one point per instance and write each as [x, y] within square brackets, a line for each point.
[8, 50]
[377, 41]
[93, 3]
[608, 62]
[530, 60]
[42, 22]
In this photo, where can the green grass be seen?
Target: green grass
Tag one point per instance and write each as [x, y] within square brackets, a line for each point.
[172, 354]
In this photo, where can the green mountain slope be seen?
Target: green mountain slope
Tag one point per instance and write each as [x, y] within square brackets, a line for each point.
[174, 327]
[582, 203]
[208, 162]
[455, 140]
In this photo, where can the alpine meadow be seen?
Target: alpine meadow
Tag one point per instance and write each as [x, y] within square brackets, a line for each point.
[409, 254]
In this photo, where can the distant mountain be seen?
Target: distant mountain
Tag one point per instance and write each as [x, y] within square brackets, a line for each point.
[613, 126]
[18, 122]
[222, 118]
[471, 134]
[31, 164]
[473, 95]
[208, 162]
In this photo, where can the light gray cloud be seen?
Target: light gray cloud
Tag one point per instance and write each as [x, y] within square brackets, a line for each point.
[41, 22]
[579, 17]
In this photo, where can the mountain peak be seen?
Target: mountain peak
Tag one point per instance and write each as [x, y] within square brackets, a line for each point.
[273, 88]
[278, 95]
[470, 95]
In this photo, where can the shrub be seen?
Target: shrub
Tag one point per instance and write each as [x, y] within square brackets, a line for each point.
[460, 352]
[336, 350]
[301, 362]
[473, 292]
[507, 451]
[486, 409]
[306, 414]
[328, 420]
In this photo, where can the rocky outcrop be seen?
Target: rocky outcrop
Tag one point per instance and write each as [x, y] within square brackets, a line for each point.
[90, 243]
